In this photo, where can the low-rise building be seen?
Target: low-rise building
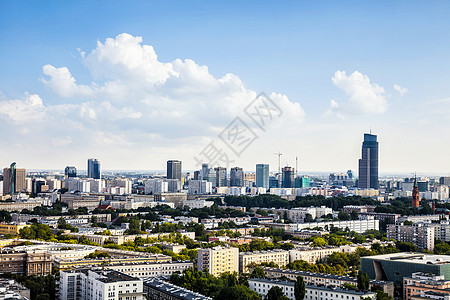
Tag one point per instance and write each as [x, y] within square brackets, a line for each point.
[157, 288]
[12, 290]
[312, 292]
[11, 228]
[144, 270]
[419, 283]
[29, 262]
[248, 259]
[325, 279]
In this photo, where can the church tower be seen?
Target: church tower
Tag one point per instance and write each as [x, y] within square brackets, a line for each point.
[415, 194]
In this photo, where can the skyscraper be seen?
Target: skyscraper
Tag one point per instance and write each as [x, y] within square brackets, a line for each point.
[288, 177]
[14, 180]
[236, 177]
[262, 175]
[174, 169]
[368, 164]
[221, 176]
[94, 169]
[70, 172]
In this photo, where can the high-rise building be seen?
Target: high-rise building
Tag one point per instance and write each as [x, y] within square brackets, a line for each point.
[14, 180]
[262, 176]
[236, 177]
[94, 169]
[288, 177]
[221, 176]
[368, 164]
[70, 172]
[174, 169]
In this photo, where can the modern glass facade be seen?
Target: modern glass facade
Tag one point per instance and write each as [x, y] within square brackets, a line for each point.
[262, 176]
[368, 164]
[174, 169]
[94, 169]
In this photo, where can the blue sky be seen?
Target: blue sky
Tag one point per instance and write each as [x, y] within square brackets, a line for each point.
[292, 48]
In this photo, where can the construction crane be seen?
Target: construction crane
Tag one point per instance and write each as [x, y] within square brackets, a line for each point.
[279, 161]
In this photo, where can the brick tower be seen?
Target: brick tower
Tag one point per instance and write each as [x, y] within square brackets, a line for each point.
[415, 194]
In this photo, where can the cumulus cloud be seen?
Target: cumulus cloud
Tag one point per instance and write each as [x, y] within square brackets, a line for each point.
[364, 96]
[401, 90]
[135, 100]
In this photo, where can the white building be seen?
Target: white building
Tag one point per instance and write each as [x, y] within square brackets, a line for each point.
[420, 234]
[298, 214]
[146, 270]
[121, 185]
[277, 256]
[173, 185]
[156, 186]
[198, 187]
[236, 190]
[197, 203]
[96, 284]
[359, 226]
[262, 287]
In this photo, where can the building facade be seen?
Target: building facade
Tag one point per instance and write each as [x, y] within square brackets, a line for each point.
[94, 169]
[218, 260]
[174, 169]
[368, 164]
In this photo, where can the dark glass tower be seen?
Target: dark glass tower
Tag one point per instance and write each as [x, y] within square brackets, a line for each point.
[94, 169]
[368, 164]
[262, 175]
[70, 172]
[288, 177]
[236, 177]
[174, 169]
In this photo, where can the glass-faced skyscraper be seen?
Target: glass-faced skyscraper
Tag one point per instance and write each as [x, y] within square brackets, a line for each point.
[368, 164]
[262, 175]
[174, 169]
[94, 169]
[70, 172]
[236, 177]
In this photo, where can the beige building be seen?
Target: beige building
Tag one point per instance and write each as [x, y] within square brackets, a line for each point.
[34, 262]
[76, 201]
[19, 206]
[248, 259]
[11, 228]
[175, 198]
[218, 260]
[20, 183]
[419, 282]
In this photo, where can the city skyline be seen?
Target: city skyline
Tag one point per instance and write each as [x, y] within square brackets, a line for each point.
[80, 94]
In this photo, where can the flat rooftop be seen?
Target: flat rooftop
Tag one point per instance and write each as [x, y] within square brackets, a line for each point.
[416, 258]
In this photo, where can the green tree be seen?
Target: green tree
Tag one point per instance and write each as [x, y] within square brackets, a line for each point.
[363, 281]
[343, 216]
[135, 226]
[275, 293]
[258, 272]
[299, 288]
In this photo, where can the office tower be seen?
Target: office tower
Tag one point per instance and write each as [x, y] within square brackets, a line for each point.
[70, 172]
[204, 172]
[14, 180]
[236, 177]
[221, 176]
[302, 181]
[262, 176]
[368, 164]
[94, 169]
[273, 182]
[350, 174]
[288, 177]
[174, 169]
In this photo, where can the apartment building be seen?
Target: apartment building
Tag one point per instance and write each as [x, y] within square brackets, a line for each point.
[218, 260]
[324, 279]
[90, 284]
[420, 234]
[420, 282]
[262, 287]
[12, 228]
[152, 269]
[277, 256]
[157, 288]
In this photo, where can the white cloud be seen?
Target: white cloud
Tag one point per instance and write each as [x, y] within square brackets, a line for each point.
[401, 90]
[137, 102]
[365, 97]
